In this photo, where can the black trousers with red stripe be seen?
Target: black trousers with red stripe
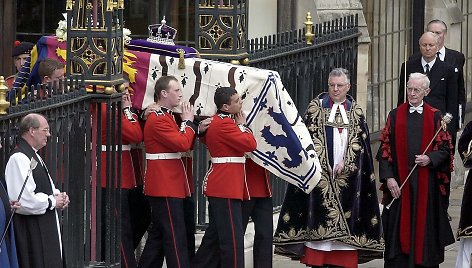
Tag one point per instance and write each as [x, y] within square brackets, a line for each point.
[168, 233]
[128, 260]
[223, 242]
[260, 210]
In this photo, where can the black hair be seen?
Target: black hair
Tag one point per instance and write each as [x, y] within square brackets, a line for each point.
[223, 96]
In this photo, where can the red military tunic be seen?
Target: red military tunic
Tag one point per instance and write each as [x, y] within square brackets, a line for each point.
[166, 177]
[226, 139]
[9, 81]
[131, 132]
[257, 179]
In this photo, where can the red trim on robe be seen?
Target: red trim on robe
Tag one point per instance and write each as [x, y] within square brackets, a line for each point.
[423, 180]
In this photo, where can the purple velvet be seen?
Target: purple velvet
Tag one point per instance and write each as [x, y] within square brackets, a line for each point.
[161, 49]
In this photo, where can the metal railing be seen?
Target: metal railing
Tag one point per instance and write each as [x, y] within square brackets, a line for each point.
[90, 226]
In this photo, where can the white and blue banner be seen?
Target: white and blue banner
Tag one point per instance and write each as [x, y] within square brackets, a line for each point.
[284, 145]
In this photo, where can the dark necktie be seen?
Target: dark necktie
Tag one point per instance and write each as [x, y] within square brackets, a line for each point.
[439, 55]
[426, 67]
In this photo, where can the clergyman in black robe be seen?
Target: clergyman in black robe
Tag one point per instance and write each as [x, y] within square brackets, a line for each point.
[338, 223]
[37, 231]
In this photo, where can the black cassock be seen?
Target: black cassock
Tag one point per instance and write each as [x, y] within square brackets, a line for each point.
[37, 237]
[437, 230]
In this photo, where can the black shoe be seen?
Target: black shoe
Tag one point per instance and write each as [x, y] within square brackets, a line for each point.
[449, 217]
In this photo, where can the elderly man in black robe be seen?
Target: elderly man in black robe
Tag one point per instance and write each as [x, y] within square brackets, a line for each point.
[416, 227]
[37, 231]
[338, 223]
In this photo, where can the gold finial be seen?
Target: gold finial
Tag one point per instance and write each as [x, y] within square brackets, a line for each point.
[121, 4]
[244, 61]
[309, 35]
[121, 88]
[4, 104]
[181, 58]
[109, 90]
[69, 4]
[235, 62]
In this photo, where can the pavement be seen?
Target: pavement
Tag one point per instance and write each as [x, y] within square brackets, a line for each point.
[451, 251]
[283, 262]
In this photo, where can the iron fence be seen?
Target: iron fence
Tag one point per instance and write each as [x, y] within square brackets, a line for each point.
[89, 225]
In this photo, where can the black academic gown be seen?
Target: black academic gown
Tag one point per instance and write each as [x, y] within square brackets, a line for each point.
[465, 223]
[438, 232]
[37, 238]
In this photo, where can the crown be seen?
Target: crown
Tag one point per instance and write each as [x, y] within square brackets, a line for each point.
[162, 33]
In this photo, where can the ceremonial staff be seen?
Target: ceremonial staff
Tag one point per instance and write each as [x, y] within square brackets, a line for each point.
[32, 166]
[445, 120]
[404, 74]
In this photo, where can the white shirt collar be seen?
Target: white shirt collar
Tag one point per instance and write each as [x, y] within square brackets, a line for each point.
[421, 104]
[442, 53]
[431, 63]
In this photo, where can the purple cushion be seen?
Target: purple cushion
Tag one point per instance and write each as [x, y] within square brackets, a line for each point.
[162, 49]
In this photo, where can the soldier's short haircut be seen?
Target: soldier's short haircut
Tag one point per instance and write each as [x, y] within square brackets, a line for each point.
[162, 84]
[48, 66]
[223, 96]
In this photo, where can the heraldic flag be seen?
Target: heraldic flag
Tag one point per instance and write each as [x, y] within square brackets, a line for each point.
[284, 145]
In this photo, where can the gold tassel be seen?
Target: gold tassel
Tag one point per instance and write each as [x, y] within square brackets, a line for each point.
[181, 58]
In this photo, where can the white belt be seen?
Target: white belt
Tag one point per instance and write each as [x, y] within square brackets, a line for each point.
[163, 156]
[230, 159]
[125, 147]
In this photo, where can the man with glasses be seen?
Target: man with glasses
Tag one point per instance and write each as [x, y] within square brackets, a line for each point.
[38, 236]
[416, 228]
[327, 226]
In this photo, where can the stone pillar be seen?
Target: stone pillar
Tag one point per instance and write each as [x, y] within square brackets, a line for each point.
[292, 14]
[327, 10]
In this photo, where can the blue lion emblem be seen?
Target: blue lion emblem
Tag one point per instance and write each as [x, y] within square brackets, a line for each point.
[290, 141]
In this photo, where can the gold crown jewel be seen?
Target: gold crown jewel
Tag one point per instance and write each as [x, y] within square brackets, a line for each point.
[162, 33]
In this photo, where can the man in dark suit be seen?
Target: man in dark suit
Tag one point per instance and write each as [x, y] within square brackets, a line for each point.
[454, 58]
[444, 90]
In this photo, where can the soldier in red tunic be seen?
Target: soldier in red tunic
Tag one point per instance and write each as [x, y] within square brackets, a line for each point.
[20, 53]
[166, 184]
[130, 133]
[260, 209]
[227, 139]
